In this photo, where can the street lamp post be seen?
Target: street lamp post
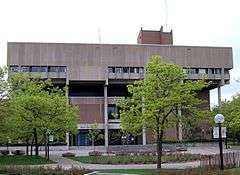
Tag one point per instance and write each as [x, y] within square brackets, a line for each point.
[219, 119]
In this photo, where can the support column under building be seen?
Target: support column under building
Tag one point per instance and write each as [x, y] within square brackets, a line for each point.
[105, 115]
[180, 125]
[219, 95]
[144, 136]
[66, 94]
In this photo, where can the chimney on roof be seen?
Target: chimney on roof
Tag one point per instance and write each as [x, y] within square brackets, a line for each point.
[155, 37]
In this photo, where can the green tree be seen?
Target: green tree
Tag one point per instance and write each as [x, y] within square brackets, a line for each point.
[155, 99]
[37, 107]
[231, 111]
[94, 134]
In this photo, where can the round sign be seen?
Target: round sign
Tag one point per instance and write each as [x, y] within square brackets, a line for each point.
[219, 118]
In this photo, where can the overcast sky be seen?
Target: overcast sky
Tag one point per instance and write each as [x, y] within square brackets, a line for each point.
[194, 22]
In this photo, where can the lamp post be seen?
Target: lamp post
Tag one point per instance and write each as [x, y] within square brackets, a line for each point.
[219, 119]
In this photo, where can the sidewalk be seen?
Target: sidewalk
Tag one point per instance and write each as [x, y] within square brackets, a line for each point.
[68, 163]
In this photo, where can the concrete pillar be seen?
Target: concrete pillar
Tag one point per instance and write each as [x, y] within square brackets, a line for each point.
[106, 115]
[67, 140]
[66, 94]
[144, 136]
[219, 95]
[179, 124]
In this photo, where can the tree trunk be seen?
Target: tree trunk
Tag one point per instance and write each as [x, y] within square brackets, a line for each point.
[27, 146]
[159, 154]
[36, 141]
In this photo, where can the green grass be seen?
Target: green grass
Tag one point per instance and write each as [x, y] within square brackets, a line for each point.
[23, 160]
[140, 159]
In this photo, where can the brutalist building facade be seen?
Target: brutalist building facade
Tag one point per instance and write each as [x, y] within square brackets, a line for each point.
[98, 74]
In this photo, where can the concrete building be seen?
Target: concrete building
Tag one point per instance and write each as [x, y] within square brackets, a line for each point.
[97, 75]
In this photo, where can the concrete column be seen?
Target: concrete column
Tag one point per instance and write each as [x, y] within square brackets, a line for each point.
[144, 136]
[66, 94]
[180, 125]
[106, 115]
[219, 95]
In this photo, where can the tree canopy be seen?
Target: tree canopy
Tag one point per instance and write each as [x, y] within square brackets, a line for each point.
[154, 101]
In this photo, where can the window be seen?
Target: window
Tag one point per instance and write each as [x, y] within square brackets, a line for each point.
[136, 70]
[131, 69]
[62, 69]
[202, 71]
[125, 70]
[141, 70]
[211, 71]
[53, 69]
[118, 70]
[44, 69]
[14, 68]
[113, 112]
[111, 70]
[226, 71]
[35, 69]
[25, 69]
[194, 71]
[217, 71]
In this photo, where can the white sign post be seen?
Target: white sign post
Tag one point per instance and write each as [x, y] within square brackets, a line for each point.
[216, 132]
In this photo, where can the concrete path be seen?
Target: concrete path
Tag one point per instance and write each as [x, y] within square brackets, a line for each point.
[68, 163]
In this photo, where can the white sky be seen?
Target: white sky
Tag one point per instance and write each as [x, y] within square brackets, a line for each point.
[194, 22]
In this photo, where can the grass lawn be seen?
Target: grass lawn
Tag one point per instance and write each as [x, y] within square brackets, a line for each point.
[135, 159]
[23, 160]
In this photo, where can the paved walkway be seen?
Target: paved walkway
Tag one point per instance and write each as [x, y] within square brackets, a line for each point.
[68, 163]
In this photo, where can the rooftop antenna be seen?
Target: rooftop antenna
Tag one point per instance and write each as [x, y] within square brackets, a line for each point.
[99, 35]
[166, 13]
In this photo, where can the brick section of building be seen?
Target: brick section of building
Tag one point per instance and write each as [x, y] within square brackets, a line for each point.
[155, 37]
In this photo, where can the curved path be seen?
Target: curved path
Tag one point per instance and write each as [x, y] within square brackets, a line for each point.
[68, 163]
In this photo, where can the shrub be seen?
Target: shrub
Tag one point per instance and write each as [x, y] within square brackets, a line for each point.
[18, 152]
[4, 152]
[68, 154]
[95, 153]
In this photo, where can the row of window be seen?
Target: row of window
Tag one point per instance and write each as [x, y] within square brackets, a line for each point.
[113, 112]
[126, 70]
[14, 68]
[205, 71]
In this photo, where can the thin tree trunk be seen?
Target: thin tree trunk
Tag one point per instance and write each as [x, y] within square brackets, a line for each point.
[159, 161]
[27, 146]
[36, 141]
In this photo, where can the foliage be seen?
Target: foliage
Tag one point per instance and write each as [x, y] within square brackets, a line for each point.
[23, 160]
[231, 111]
[16, 170]
[137, 159]
[37, 108]
[94, 134]
[154, 101]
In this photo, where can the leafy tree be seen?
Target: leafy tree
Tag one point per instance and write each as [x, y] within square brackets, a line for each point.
[37, 108]
[154, 101]
[94, 134]
[231, 111]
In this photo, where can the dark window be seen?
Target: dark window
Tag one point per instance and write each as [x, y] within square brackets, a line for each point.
[44, 69]
[111, 70]
[211, 71]
[125, 70]
[226, 71]
[118, 70]
[113, 112]
[194, 71]
[117, 90]
[53, 69]
[217, 71]
[14, 68]
[62, 69]
[136, 70]
[141, 70]
[131, 69]
[86, 90]
[25, 69]
[35, 69]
